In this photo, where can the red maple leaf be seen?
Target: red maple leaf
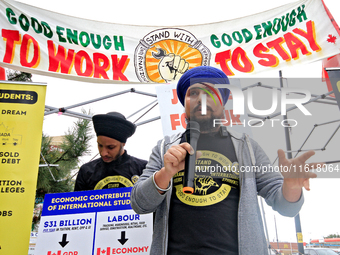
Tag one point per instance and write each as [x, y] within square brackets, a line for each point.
[331, 39]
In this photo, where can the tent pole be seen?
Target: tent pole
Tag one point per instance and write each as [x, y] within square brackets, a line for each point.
[289, 156]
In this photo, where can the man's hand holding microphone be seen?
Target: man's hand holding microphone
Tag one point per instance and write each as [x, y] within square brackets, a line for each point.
[179, 157]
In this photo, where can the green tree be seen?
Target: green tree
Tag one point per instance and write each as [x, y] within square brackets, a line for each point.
[56, 177]
[332, 236]
[14, 75]
[75, 143]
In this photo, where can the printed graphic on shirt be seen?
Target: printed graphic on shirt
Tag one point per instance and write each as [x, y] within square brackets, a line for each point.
[134, 179]
[215, 176]
[110, 182]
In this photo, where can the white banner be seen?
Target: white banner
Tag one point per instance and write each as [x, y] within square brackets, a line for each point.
[48, 43]
[173, 114]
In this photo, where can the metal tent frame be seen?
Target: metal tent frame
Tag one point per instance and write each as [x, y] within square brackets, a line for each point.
[323, 98]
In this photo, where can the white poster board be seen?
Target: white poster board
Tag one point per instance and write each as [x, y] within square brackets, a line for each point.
[173, 114]
[98, 222]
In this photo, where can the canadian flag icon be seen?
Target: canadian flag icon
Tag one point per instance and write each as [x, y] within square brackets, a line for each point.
[50, 253]
[103, 252]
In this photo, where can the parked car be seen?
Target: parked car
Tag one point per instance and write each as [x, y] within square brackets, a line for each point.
[320, 251]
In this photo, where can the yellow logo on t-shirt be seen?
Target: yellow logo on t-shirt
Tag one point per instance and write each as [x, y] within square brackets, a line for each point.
[113, 182]
[214, 172]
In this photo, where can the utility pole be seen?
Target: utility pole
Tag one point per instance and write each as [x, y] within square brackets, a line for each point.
[289, 155]
[265, 226]
[277, 237]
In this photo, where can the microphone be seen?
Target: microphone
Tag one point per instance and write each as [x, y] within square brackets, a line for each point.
[192, 133]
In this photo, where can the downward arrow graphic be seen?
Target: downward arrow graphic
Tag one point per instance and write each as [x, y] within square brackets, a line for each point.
[122, 239]
[63, 241]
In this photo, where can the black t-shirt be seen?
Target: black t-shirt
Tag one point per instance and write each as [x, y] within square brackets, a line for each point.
[205, 222]
[97, 174]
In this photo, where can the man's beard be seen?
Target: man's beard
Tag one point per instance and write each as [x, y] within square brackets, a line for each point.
[119, 153]
[117, 156]
[206, 124]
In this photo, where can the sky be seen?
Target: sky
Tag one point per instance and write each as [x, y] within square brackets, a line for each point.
[319, 215]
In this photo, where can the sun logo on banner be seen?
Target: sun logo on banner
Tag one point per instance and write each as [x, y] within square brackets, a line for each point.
[164, 55]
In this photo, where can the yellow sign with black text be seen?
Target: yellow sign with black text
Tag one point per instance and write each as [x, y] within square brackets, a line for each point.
[299, 237]
[21, 118]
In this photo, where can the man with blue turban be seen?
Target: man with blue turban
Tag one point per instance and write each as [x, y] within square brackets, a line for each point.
[201, 81]
[221, 214]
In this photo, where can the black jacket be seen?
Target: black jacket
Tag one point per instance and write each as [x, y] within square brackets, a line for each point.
[97, 174]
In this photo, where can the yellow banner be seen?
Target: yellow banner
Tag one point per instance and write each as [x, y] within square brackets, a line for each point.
[22, 112]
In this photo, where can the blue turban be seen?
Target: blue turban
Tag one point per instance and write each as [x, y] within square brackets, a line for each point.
[202, 74]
